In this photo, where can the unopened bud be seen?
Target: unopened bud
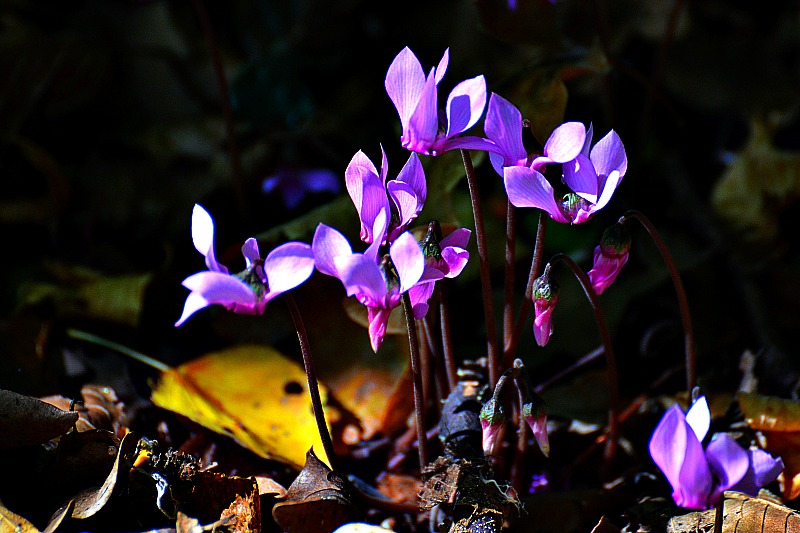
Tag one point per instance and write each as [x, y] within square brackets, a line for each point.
[545, 297]
[492, 418]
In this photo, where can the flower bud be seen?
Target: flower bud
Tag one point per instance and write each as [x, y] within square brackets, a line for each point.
[545, 297]
[609, 257]
[492, 417]
[535, 415]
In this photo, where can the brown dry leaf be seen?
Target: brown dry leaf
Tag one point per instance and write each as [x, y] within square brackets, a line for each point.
[27, 421]
[213, 495]
[316, 501]
[779, 421]
[743, 514]
[755, 187]
[270, 486]
[187, 524]
[250, 393]
[89, 502]
[100, 409]
[14, 523]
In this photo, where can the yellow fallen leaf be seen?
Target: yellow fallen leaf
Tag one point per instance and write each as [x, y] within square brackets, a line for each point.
[250, 393]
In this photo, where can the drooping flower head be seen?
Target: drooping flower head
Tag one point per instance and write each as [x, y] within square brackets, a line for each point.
[248, 292]
[545, 298]
[376, 282]
[416, 99]
[403, 197]
[699, 477]
[592, 176]
[444, 258]
[535, 416]
[492, 418]
[609, 257]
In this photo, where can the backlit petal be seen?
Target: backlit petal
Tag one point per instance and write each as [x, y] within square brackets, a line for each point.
[566, 142]
[404, 82]
[465, 105]
[203, 237]
[408, 260]
[528, 188]
[287, 266]
[327, 245]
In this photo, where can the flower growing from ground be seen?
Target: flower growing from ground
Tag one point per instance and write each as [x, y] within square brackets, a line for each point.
[609, 257]
[248, 292]
[371, 193]
[545, 298]
[377, 282]
[444, 258]
[416, 99]
[592, 176]
[699, 477]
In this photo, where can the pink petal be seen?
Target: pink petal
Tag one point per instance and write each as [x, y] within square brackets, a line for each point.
[419, 295]
[404, 82]
[465, 105]
[194, 302]
[455, 259]
[459, 238]
[408, 260]
[529, 188]
[423, 125]
[413, 175]
[327, 245]
[287, 266]
[378, 318]
[361, 276]
[219, 288]
[566, 142]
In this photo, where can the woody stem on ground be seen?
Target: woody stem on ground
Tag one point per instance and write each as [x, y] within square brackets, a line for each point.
[313, 386]
[483, 258]
[416, 373]
[683, 302]
[510, 346]
[611, 363]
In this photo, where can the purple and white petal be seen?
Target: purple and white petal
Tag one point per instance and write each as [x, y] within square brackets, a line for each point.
[456, 259]
[366, 189]
[379, 232]
[458, 238]
[250, 251]
[219, 288]
[194, 302]
[503, 126]
[405, 201]
[424, 122]
[408, 260]
[465, 105]
[404, 82]
[566, 142]
[469, 142]
[728, 461]
[287, 266]
[361, 276]
[529, 188]
[579, 175]
[413, 175]
[441, 68]
[608, 155]
[203, 237]
[419, 295]
[328, 244]
[699, 417]
[763, 469]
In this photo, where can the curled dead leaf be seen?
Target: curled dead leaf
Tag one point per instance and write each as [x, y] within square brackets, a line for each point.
[27, 421]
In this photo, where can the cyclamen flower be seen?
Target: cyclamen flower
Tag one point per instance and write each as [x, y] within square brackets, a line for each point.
[536, 417]
[444, 258]
[592, 176]
[248, 292]
[545, 298]
[371, 193]
[415, 97]
[699, 477]
[609, 257]
[492, 417]
[378, 283]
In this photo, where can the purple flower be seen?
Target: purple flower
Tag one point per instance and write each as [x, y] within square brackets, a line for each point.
[416, 99]
[592, 176]
[248, 292]
[609, 257]
[699, 477]
[536, 417]
[444, 258]
[378, 283]
[545, 298]
[371, 193]
[295, 183]
[503, 126]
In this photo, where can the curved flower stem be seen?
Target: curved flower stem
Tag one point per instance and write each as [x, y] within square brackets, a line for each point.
[419, 400]
[311, 375]
[483, 257]
[536, 266]
[225, 102]
[508, 289]
[683, 302]
[611, 363]
[447, 338]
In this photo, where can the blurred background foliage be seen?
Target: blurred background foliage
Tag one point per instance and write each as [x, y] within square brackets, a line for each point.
[112, 127]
